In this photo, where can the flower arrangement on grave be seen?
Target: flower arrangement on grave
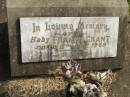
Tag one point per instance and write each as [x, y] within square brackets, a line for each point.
[90, 84]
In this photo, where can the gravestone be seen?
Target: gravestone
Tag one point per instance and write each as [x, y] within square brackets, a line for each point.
[36, 50]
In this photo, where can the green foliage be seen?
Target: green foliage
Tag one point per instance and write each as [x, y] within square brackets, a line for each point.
[129, 5]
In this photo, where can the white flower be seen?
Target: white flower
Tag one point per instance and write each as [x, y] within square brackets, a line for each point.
[88, 89]
[85, 90]
[69, 69]
[68, 74]
[77, 84]
[81, 83]
[72, 89]
[91, 86]
[68, 65]
[104, 94]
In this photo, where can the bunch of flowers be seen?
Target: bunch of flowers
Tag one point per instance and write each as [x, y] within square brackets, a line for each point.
[90, 84]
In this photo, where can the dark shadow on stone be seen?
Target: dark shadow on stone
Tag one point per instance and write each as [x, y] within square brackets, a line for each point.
[4, 95]
[18, 35]
[4, 53]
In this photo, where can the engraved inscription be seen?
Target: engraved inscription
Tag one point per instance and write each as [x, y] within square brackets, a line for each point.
[62, 38]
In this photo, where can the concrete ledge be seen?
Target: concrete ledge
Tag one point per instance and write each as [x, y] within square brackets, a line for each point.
[66, 3]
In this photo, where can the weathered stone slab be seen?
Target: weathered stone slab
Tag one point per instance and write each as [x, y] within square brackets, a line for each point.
[64, 8]
[64, 38]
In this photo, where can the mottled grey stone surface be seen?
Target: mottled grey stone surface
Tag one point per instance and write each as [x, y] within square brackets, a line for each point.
[121, 88]
[3, 17]
[48, 8]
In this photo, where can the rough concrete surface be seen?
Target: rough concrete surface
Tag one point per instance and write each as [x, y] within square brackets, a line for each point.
[120, 88]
